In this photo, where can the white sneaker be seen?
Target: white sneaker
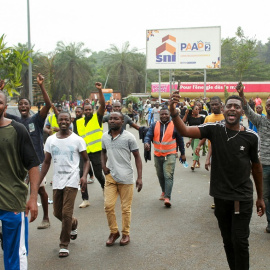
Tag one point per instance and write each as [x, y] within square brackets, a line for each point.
[84, 204]
[91, 180]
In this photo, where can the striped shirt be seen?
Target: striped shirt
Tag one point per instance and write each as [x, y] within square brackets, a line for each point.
[263, 127]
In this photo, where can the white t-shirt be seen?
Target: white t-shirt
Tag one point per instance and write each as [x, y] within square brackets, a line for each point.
[66, 158]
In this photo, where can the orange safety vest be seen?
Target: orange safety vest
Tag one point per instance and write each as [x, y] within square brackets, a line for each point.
[168, 145]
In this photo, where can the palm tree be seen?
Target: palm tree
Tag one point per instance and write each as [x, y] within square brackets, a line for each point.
[72, 67]
[121, 65]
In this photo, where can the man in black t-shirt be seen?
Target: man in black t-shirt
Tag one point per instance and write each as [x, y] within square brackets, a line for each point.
[234, 154]
[34, 125]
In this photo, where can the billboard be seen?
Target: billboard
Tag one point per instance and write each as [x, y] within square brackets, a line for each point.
[184, 48]
[211, 87]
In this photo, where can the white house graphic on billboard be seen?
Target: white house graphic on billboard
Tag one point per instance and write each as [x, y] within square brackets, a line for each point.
[166, 53]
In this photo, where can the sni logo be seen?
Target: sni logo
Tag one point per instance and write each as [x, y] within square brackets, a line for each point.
[166, 53]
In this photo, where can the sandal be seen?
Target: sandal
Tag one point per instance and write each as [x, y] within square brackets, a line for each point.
[74, 232]
[63, 252]
[192, 168]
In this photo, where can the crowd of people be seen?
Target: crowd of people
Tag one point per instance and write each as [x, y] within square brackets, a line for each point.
[77, 146]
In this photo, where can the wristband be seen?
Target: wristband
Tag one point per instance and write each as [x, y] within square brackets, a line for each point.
[175, 115]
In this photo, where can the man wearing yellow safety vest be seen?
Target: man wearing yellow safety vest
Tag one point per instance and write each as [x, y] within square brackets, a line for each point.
[51, 126]
[166, 141]
[90, 129]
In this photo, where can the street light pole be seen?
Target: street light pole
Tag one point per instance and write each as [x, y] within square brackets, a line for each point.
[30, 56]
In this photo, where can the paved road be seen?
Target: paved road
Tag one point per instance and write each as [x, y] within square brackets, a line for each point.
[186, 236]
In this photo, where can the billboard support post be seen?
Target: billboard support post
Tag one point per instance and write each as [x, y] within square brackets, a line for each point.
[204, 95]
[159, 89]
[170, 78]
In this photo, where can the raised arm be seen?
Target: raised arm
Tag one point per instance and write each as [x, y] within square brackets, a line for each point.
[101, 108]
[253, 117]
[45, 109]
[192, 132]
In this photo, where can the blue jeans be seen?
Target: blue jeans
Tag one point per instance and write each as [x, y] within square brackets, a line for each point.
[266, 191]
[234, 230]
[165, 171]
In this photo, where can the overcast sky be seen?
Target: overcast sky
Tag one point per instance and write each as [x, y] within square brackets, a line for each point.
[100, 23]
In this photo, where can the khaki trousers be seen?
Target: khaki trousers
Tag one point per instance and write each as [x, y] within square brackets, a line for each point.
[112, 189]
[63, 205]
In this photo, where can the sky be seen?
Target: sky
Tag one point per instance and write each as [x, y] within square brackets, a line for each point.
[100, 23]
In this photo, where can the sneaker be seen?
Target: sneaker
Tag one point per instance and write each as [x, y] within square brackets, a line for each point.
[267, 229]
[44, 224]
[167, 202]
[91, 180]
[213, 206]
[162, 196]
[84, 204]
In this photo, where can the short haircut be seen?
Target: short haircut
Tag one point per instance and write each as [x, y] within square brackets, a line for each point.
[62, 112]
[87, 104]
[122, 116]
[215, 97]
[235, 97]
[58, 106]
[1, 92]
[26, 99]
[163, 109]
[79, 107]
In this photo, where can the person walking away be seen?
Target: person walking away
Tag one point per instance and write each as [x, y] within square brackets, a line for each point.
[262, 123]
[65, 148]
[166, 141]
[117, 146]
[17, 157]
[234, 155]
[34, 125]
[90, 129]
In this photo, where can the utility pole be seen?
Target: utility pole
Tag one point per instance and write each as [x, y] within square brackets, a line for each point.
[30, 56]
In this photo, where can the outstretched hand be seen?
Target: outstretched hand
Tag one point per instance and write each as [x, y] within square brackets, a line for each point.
[40, 79]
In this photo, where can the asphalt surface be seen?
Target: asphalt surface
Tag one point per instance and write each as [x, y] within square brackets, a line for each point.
[185, 236]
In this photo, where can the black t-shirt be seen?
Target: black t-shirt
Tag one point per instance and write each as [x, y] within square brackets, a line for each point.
[34, 125]
[195, 121]
[230, 166]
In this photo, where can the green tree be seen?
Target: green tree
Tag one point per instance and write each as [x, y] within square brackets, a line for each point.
[11, 64]
[121, 68]
[244, 51]
[72, 69]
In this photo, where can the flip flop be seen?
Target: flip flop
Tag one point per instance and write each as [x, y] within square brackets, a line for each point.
[63, 253]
